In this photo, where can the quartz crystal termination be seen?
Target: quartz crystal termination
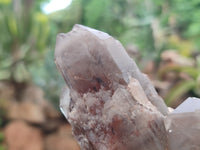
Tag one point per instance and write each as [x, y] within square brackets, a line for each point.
[88, 58]
[110, 104]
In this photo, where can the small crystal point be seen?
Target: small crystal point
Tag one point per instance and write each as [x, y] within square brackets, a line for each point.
[191, 104]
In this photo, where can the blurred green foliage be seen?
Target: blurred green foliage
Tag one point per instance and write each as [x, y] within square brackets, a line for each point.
[24, 34]
[1, 141]
[189, 85]
[28, 35]
[2, 148]
[1, 137]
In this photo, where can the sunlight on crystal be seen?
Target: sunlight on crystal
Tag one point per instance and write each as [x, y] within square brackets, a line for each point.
[56, 5]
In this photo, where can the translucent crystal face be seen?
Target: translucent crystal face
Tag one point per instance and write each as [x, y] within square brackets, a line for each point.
[65, 101]
[87, 65]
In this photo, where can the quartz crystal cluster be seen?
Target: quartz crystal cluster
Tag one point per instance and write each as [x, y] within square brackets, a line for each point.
[109, 103]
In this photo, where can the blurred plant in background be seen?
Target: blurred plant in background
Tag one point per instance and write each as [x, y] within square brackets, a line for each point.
[1, 141]
[2, 147]
[183, 74]
[25, 41]
[24, 34]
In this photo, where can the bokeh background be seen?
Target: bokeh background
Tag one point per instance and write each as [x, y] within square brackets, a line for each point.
[162, 36]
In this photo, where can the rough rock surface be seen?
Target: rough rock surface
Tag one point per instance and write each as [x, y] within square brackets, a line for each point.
[62, 140]
[183, 131]
[31, 107]
[110, 104]
[20, 136]
[27, 111]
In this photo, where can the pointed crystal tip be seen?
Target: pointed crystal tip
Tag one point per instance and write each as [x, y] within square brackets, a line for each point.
[191, 104]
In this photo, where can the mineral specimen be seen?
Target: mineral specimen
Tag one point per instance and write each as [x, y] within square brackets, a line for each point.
[110, 104]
